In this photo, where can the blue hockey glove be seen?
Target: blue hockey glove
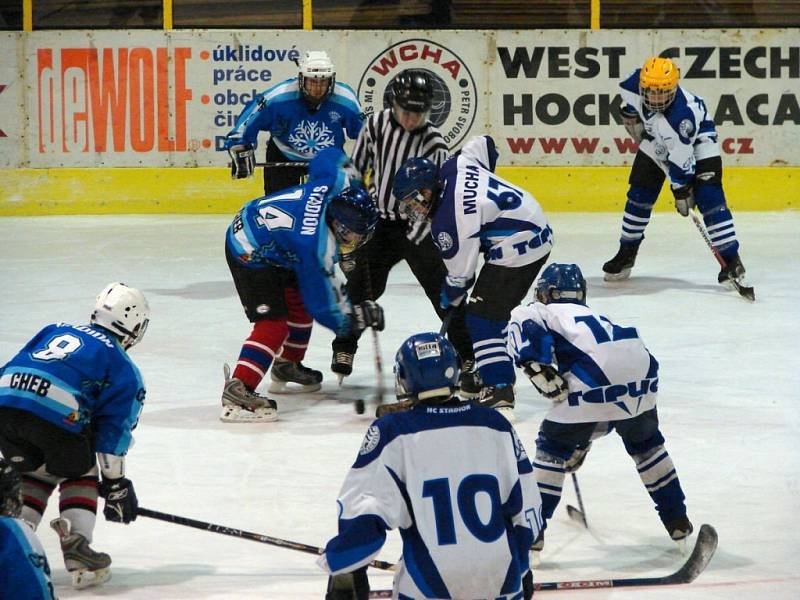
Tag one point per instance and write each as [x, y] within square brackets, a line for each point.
[243, 161]
[451, 296]
[121, 502]
[684, 199]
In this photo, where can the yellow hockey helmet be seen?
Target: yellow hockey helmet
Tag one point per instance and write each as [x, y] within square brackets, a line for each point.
[658, 83]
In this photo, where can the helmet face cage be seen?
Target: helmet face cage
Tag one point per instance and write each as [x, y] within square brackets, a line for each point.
[124, 311]
[352, 217]
[658, 83]
[426, 366]
[10, 490]
[316, 65]
[415, 207]
[561, 283]
[415, 175]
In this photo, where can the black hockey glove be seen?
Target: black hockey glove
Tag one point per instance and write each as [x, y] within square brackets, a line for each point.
[684, 199]
[348, 586]
[576, 460]
[547, 380]
[243, 161]
[368, 314]
[121, 502]
[527, 585]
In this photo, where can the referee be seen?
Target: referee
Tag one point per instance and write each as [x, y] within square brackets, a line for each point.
[386, 141]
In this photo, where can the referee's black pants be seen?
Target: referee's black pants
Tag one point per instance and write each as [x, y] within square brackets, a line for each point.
[367, 280]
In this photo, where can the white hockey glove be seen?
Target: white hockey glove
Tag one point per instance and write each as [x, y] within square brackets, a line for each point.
[243, 161]
[684, 199]
[547, 380]
[633, 124]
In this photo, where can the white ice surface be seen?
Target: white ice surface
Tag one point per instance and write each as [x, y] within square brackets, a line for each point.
[728, 405]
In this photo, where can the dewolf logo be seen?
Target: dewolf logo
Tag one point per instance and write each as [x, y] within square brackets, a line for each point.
[455, 98]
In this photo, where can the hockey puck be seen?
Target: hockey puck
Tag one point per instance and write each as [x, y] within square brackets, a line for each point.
[360, 406]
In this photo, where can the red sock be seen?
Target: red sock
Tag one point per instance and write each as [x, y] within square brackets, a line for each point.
[259, 350]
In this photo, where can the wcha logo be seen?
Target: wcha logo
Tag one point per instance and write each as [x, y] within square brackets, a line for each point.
[455, 97]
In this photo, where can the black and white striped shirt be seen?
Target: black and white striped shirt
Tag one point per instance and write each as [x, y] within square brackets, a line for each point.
[383, 145]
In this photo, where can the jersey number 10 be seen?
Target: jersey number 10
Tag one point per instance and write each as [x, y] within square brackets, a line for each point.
[438, 490]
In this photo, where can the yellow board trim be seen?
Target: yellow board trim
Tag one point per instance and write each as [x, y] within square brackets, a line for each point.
[28, 192]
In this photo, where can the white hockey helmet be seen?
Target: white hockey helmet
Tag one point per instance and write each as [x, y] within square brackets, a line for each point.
[316, 64]
[123, 311]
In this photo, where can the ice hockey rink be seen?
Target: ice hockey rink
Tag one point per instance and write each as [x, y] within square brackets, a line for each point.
[728, 405]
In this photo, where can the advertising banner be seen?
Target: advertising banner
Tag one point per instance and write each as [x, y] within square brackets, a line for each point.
[160, 99]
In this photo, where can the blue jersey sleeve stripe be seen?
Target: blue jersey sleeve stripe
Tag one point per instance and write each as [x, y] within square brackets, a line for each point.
[44, 375]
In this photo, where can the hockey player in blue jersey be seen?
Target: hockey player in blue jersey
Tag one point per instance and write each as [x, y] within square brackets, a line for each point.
[600, 377]
[304, 114]
[474, 212]
[281, 250]
[453, 477]
[24, 570]
[68, 401]
[677, 141]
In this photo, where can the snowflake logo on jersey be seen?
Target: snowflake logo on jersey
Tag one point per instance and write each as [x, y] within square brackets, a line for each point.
[519, 449]
[310, 137]
[370, 440]
[444, 241]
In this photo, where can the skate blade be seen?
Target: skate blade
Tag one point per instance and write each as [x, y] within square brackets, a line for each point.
[283, 387]
[621, 276]
[84, 578]
[683, 545]
[237, 414]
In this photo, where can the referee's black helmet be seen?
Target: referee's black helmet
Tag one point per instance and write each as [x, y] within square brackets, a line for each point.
[412, 89]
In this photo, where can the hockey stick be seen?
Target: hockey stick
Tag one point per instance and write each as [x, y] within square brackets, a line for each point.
[255, 537]
[744, 291]
[577, 514]
[704, 549]
[271, 165]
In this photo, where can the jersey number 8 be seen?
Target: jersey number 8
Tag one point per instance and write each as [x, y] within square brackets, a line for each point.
[58, 348]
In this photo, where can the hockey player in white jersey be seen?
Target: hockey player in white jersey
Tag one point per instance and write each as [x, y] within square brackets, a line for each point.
[453, 477]
[474, 212]
[600, 377]
[677, 140]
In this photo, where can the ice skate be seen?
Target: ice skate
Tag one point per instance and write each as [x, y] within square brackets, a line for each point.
[240, 405]
[342, 364]
[619, 267]
[469, 382]
[85, 566]
[679, 530]
[284, 372]
[499, 397]
[733, 271]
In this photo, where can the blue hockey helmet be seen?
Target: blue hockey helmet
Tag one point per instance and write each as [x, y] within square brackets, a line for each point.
[352, 216]
[426, 366]
[561, 282]
[414, 176]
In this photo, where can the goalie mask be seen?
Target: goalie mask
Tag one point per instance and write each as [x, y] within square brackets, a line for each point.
[658, 83]
[123, 311]
[10, 490]
[561, 282]
[352, 217]
[426, 366]
[317, 77]
[416, 186]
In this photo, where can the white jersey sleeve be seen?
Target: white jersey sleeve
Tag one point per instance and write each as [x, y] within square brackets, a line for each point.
[610, 373]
